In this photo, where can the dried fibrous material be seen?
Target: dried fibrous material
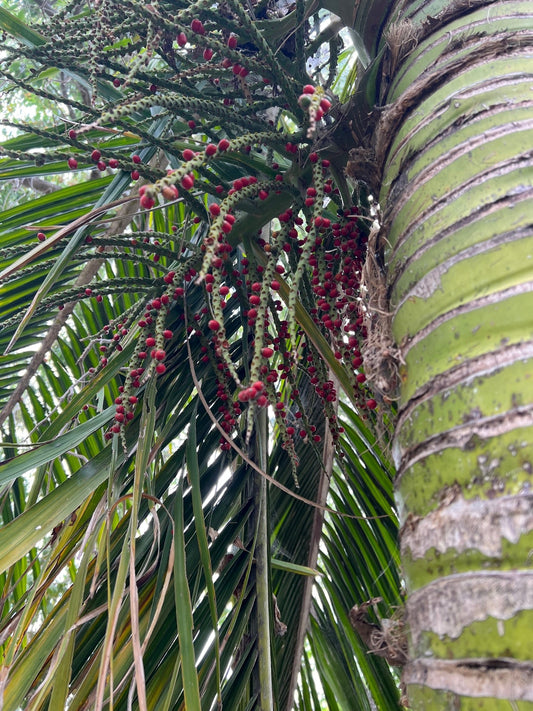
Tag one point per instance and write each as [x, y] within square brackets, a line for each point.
[388, 639]
[362, 166]
[402, 38]
[381, 357]
[280, 628]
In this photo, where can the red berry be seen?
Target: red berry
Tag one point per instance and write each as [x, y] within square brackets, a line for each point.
[72, 134]
[170, 192]
[136, 159]
[267, 352]
[325, 105]
[159, 355]
[191, 124]
[135, 175]
[147, 202]
[187, 182]
[256, 286]
[160, 368]
[213, 324]
[181, 39]
[96, 155]
[113, 163]
[188, 154]
[208, 54]
[116, 82]
[232, 41]
[275, 285]
[167, 334]
[72, 163]
[223, 144]
[371, 404]
[308, 89]
[214, 209]
[150, 341]
[210, 149]
[101, 165]
[197, 26]
[41, 236]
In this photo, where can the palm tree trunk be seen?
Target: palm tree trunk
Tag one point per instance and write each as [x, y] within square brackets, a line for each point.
[453, 266]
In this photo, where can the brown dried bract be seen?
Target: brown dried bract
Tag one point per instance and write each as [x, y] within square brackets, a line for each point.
[388, 639]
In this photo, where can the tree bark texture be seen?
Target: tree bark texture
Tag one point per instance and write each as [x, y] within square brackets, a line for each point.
[453, 146]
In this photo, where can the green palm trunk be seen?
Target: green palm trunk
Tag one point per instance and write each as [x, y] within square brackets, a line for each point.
[453, 148]
[154, 569]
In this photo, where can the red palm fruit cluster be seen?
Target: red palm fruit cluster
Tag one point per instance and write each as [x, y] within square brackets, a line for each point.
[254, 392]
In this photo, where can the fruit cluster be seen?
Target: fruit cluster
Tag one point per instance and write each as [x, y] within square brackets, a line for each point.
[252, 211]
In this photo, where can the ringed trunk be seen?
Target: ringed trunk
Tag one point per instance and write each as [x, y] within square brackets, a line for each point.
[451, 321]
